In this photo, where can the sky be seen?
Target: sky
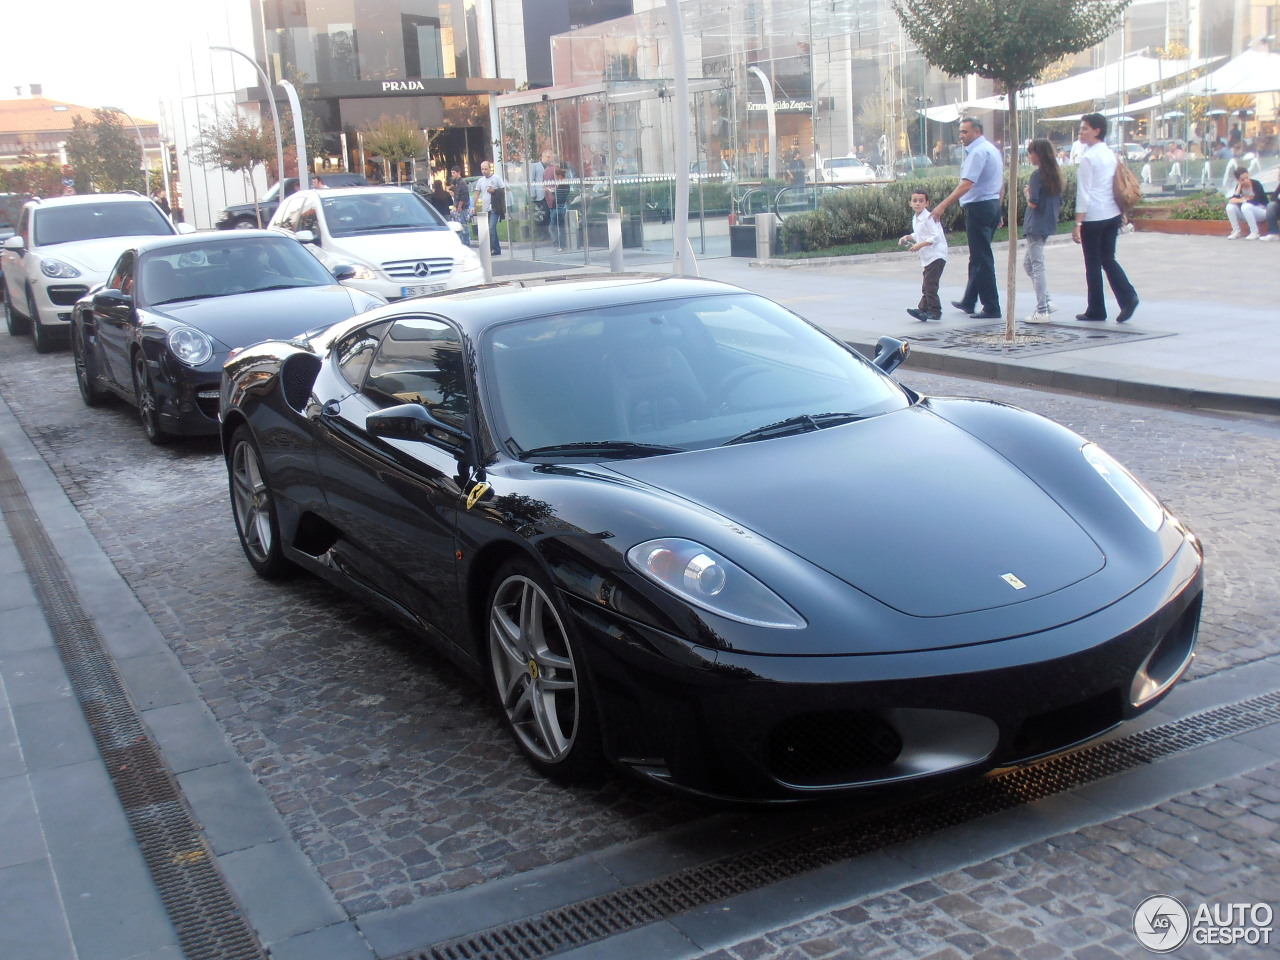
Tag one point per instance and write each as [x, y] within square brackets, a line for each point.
[95, 52]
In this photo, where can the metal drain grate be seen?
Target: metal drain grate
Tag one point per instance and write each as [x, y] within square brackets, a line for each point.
[988, 338]
[206, 917]
[600, 917]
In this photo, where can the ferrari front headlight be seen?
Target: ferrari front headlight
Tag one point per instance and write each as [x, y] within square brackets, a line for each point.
[705, 579]
[1140, 500]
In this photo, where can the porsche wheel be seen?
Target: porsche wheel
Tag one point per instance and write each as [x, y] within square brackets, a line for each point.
[86, 377]
[17, 324]
[144, 393]
[254, 509]
[540, 681]
[44, 339]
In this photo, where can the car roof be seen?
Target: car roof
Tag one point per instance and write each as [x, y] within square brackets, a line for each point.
[356, 191]
[89, 198]
[477, 308]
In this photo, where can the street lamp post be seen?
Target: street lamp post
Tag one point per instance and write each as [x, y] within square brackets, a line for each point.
[271, 102]
[142, 148]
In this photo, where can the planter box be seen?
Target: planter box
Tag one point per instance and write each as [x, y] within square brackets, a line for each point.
[1191, 228]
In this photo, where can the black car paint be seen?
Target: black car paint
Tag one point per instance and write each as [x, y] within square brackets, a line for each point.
[111, 329]
[687, 697]
[231, 217]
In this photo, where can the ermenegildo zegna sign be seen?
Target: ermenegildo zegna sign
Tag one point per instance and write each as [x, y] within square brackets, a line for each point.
[782, 106]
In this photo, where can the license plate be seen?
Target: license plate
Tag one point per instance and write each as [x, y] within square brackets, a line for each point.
[418, 289]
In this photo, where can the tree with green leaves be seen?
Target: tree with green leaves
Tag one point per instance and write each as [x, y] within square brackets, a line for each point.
[105, 154]
[237, 144]
[396, 140]
[36, 176]
[1011, 42]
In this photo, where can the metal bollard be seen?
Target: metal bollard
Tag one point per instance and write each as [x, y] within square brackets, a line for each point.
[766, 229]
[615, 243]
[485, 251]
[572, 229]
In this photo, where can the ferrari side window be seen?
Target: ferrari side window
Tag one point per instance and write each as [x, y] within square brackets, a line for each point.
[420, 361]
[354, 352]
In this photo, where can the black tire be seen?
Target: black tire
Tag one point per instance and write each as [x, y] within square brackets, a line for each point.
[254, 508]
[18, 325]
[45, 340]
[86, 375]
[144, 395]
[540, 680]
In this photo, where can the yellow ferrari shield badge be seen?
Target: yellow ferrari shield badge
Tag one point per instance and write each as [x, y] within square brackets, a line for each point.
[476, 493]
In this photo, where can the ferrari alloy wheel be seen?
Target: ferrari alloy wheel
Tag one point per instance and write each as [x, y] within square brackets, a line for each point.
[144, 393]
[14, 321]
[90, 392]
[254, 509]
[540, 683]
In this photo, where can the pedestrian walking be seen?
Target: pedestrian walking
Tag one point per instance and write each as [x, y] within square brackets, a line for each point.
[1044, 202]
[979, 193]
[461, 202]
[927, 239]
[490, 199]
[1098, 220]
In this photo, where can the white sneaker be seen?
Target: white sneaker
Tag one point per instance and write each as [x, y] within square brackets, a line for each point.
[1269, 238]
[1038, 317]
[1233, 234]
[1254, 236]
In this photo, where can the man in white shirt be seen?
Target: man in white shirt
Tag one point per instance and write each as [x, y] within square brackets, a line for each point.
[1098, 220]
[489, 197]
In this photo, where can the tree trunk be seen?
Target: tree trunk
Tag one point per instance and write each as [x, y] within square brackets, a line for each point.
[1012, 135]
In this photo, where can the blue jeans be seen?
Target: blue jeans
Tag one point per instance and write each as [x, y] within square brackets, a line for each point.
[980, 220]
[1098, 240]
[494, 246]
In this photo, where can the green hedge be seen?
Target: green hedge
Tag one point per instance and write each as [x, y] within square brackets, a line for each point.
[868, 214]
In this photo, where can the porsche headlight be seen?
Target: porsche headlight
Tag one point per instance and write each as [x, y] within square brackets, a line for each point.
[1140, 500]
[58, 270]
[707, 580]
[190, 346]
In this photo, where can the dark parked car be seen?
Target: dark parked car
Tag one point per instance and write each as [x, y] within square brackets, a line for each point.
[171, 310]
[671, 524]
[242, 216]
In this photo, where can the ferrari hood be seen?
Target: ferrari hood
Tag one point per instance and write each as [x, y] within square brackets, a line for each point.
[240, 319]
[905, 507]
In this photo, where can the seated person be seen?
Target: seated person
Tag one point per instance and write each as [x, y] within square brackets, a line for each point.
[1273, 213]
[1248, 202]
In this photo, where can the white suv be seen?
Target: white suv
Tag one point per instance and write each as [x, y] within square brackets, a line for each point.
[64, 247]
[397, 242]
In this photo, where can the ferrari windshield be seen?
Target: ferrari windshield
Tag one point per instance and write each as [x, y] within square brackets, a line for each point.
[673, 375]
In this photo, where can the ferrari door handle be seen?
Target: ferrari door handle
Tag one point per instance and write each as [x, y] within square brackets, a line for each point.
[332, 408]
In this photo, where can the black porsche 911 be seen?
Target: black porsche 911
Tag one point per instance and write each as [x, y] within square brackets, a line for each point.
[157, 332]
[672, 525]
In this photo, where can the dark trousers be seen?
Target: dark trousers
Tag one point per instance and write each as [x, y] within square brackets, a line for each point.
[494, 246]
[980, 220]
[1098, 241]
[929, 302]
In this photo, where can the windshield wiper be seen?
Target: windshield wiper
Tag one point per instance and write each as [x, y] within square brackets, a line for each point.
[805, 423]
[616, 449]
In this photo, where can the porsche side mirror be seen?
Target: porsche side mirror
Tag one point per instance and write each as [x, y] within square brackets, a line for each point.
[890, 352]
[185, 228]
[413, 421]
[343, 271]
[15, 243]
[112, 302]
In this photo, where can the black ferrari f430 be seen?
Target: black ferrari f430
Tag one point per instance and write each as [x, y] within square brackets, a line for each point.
[672, 525]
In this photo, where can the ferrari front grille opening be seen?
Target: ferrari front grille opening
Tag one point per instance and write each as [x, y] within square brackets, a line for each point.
[836, 746]
[1066, 726]
[1169, 658]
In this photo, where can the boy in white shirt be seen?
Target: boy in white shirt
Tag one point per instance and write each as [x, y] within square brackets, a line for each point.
[927, 239]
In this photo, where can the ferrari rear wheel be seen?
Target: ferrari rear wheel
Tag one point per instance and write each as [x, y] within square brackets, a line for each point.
[539, 678]
[255, 509]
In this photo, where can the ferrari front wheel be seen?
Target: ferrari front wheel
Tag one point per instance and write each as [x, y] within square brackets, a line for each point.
[539, 677]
